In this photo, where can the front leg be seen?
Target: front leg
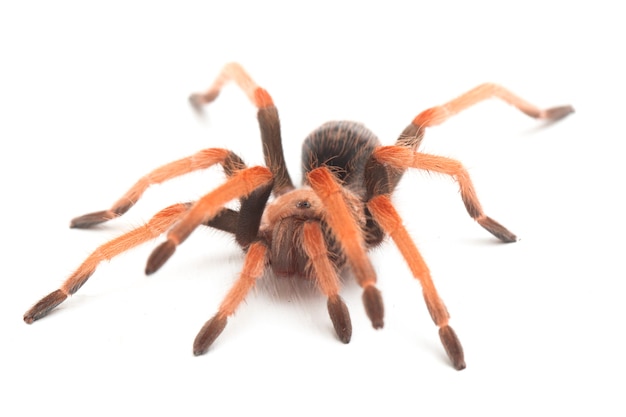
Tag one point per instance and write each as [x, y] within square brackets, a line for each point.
[347, 231]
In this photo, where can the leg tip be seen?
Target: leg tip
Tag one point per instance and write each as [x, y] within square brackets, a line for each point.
[207, 335]
[374, 307]
[557, 113]
[44, 306]
[196, 102]
[459, 366]
[91, 219]
[159, 256]
[340, 317]
[496, 229]
[453, 347]
[199, 352]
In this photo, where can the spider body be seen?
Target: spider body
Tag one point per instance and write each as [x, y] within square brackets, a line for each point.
[344, 147]
[342, 209]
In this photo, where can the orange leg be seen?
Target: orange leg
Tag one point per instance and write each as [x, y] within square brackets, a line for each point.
[384, 213]
[345, 226]
[156, 226]
[327, 279]
[241, 184]
[200, 160]
[401, 157]
[413, 134]
[254, 265]
[233, 72]
[267, 115]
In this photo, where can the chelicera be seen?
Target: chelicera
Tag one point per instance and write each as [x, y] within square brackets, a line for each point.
[313, 232]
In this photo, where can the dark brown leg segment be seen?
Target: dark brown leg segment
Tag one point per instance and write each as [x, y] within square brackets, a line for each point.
[267, 115]
[250, 214]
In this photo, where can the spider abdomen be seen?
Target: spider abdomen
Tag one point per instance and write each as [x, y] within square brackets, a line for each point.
[344, 147]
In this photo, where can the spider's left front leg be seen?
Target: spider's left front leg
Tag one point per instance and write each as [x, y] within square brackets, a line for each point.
[344, 226]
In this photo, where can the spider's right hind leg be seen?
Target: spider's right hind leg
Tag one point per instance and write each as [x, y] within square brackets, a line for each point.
[254, 265]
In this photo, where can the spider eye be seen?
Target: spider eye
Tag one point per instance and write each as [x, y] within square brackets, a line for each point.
[304, 204]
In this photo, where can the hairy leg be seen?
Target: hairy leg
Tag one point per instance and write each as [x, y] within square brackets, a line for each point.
[267, 115]
[345, 227]
[384, 213]
[412, 135]
[198, 161]
[254, 265]
[155, 227]
[401, 157]
[327, 279]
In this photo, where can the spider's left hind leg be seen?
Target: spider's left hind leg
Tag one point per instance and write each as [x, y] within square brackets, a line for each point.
[157, 225]
[254, 265]
[387, 217]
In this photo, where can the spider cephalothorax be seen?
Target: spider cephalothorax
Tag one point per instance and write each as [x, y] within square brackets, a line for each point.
[342, 210]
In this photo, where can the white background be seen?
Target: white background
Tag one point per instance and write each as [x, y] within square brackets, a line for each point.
[93, 97]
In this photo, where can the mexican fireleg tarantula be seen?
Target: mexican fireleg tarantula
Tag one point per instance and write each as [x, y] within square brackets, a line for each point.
[343, 208]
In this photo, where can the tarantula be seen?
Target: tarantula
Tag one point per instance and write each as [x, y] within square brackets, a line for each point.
[342, 209]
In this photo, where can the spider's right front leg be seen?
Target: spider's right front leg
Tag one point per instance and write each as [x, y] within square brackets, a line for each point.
[254, 265]
[162, 221]
[201, 160]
